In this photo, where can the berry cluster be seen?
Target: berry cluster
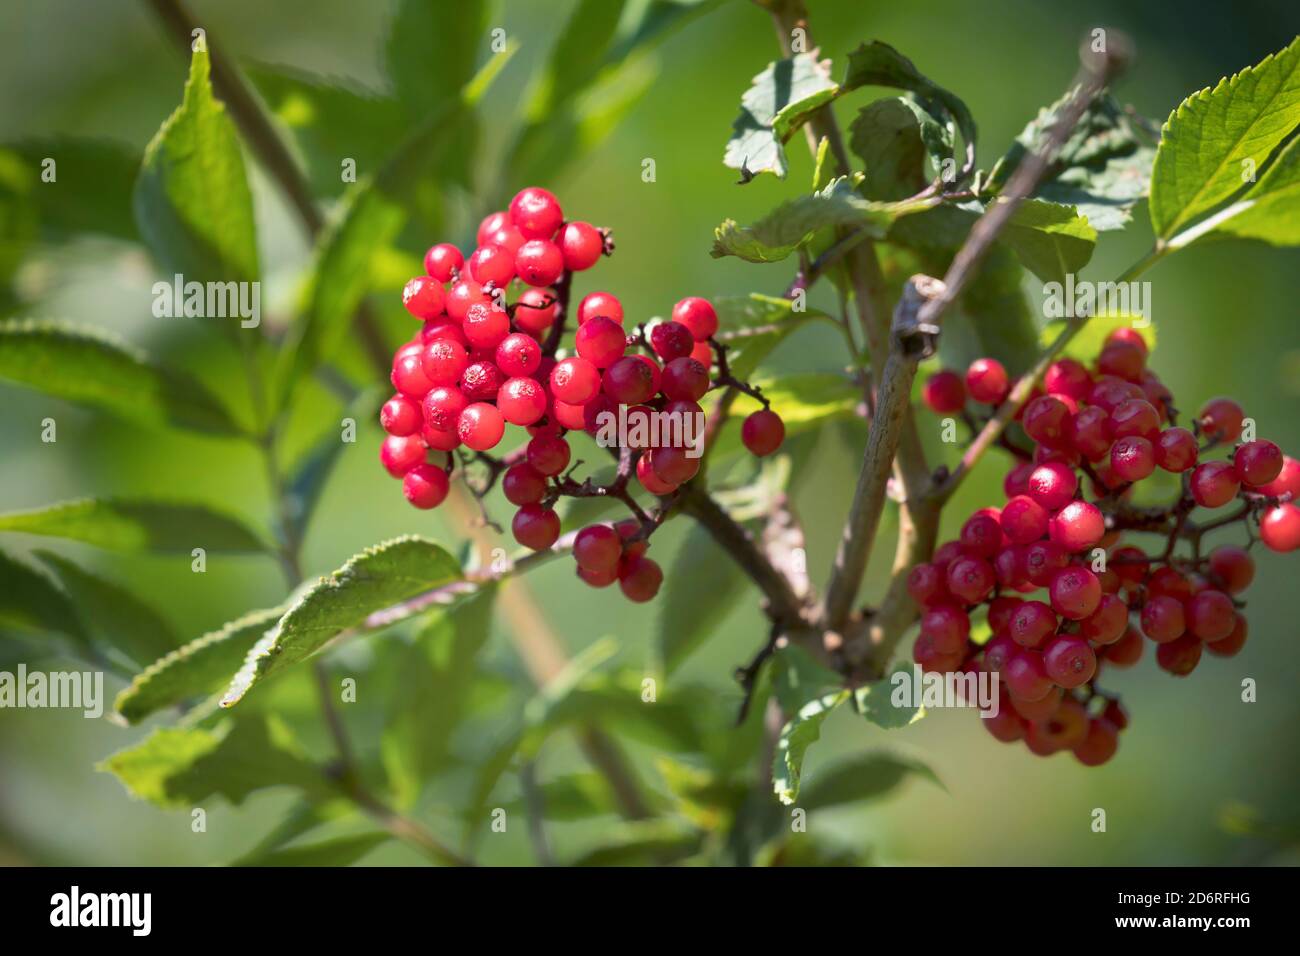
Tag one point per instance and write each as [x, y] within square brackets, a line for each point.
[481, 362]
[1113, 425]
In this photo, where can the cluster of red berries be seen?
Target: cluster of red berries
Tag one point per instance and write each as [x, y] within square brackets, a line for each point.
[481, 362]
[1116, 425]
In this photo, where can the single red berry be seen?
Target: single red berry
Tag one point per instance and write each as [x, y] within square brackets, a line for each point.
[597, 547]
[651, 481]
[1042, 560]
[1163, 619]
[1075, 593]
[481, 381]
[1046, 419]
[1078, 526]
[629, 380]
[508, 238]
[703, 353]
[1036, 711]
[685, 378]
[1070, 660]
[481, 426]
[1032, 623]
[1099, 745]
[400, 453]
[1233, 566]
[522, 484]
[1221, 419]
[535, 310]
[443, 328]
[1024, 520]
[1122, 360]
[986, 380]
[926, 583]
[1001, 611]
[568, 415]
[490, 224]
[401, 416]
[536, 527]
[518, 354]
[1180, 656]
[1116, 713]
[982, 535]
[492, 263]
[671, 340]
[1135, 416]
[1026, 676]
[1089, 433]
[998, 652]
[1169, 582]
[600, 303]
[1132, 458]
[1009, 565]
[425, 486]
[581, 244]
[1129, 336]
[1286, 483]
[575, 381]
[1107, 624]
[944, 392]
[464, 293]
[521, 400]
[536, 213]
[639, 578]
[486, 326]
[1006, 725]
[1067, 377]
[1279, 528]
[444, 361]
[1257, 462]
[601, 341]
[930, 657]
[1130, 564]
[970, 579]
[1176, 450]
[1016, 481]
[548, 454]
[539, 262]
[1052, 484]
[1234, 642]
[674, 465]
[423, 297]
[698, 316]
[1109, 393]
[408, 375]
[762, 432]
[442, 260]
[1125, 652]
[1214, 484]
[442, 407]
[1210, 615]
[439, 441]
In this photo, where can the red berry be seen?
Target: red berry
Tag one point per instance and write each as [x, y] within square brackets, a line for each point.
[1257, 462]
[1001, 611]
[423, 297]
[986, 380]
[698, 316]
[442, 408]
[485, 325]
[639, 578]
[651, 481]
[762, 432]
[671, 340]
[522, 484]
[1107, 624]
[674, 465]
[518, 354]
[567, 415]
[1078, 526]
[1132, 458]
[629, 380]
[1279, 528]
[1024, 520]
[1233, 566]
[462, 295]
[539, 262]
[1122, 360]
[481, 381]
[481, 426]
[1210, 615]
[1006, 725]
[490, 224]
[442, 260]
[1176, 450]
[926, 585]
[1169, 582]
[535, 310]
[444, 361]
[1009, 565]
[1075, 593]
[1016, 481]
[581, 244]
[1032, 623]
[1234, 642]
[521, 400]
[1220, 420]
[1070, 660]
[1089, 433]
[998, 652]
[944, 392]
[575, 381]
[1180, 656]
[1214, 484]
[425, 486]
[1052, 484]
[970, 579]
[508, 238]
[536, 213]
[439, 441]
[400, 453]
[1125, 652]
[597, 547]
[1046, 419]
[1286, 483]
[1135, 416]
[1163, 619]
[1129, 336]
[1099, 745]
[536, 527]
[600, 303]
[1026, 676]
[443, 328]
[492, 263]
[401, 416]
[685, 378]
[1109, 393]
[1042, 560]
[601, 341]
[408, 375]
[1067, 377]
[548, 454]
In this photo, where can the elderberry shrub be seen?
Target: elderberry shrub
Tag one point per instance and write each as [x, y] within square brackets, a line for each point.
[488, 358]
[1098, 431]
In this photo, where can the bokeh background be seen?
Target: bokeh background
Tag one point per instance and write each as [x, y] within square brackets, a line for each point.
[1201, 778]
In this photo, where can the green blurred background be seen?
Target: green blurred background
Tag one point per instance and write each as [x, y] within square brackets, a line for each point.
[1196, 768]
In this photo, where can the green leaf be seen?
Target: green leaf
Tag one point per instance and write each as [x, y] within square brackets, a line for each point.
[428, 694]
[615, 701]
[1103, 168]
[753, 325]
[875, 701]
[701, 587]
[797, 678]
[777, 101]
[30, 603]
[794, 223]
[576, 57]
[310, 475]
[126, 525]
[203, 666]
[995, 307]
[336, 851]
[370, 581]
[802, 731]
[1087, 343]
[862, 778]
[1050, 240]
[879, 64]
[573, 797]
[91, 188]
[113, 613]
[642, 842]
[90, 367]
[1268, 209]
[192, 201]
[302, 818]
[178, 768]
[895, 136]
[1210, 140]
[430, 54]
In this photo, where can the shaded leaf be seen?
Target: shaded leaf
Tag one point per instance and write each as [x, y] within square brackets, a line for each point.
[640, 842]
[877, 703]
[430, 54]
[30, 603]
[753, 325]
[797, 678]
[88, 366]
[91, 189]
[370, 581]
[129, 525]
[895, 137]
[336, 851]
[800, 733]
[1050, 240]
[700, 589]
[862, 778]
